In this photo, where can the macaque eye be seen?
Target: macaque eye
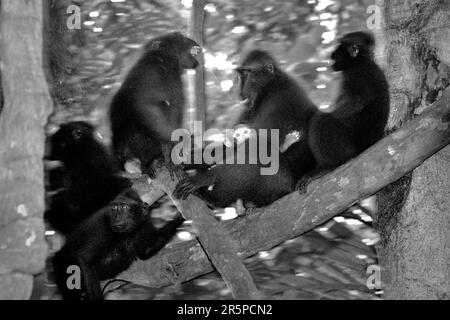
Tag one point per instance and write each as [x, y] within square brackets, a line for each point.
[115, 207]
[124, 207]
[195, 50]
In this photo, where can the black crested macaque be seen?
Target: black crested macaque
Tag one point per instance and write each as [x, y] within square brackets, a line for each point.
[275, 101]
[149, 105]
[90, 177]
[361, 109]
[106, 243]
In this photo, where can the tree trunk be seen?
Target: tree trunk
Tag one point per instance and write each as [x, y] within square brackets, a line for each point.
[22, 120]
[197, 33]
[414, 219]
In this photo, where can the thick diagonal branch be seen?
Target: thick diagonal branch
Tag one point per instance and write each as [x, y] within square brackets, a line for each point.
[296, 214]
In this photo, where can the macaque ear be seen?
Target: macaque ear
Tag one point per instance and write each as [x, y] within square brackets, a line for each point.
[155, 45]
[353, 50]
[144, 208]
[195, 50]
[269, 67]
[77, 134]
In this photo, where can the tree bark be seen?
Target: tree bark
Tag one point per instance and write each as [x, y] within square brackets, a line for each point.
[214, 240]
[295, 214]
[414, 219]
[197, 33]
[26, 108]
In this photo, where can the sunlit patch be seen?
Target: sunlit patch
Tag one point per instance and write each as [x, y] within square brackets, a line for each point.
[239, 29]
[325, 16]
[191, 72]
[391, 150]
[203, 282]
[321, 86]
[339, 219]
[218, 61]
[97, 29]
[323, 4]
[50, 233]
[89, 23]
[353, 222]
[226, 85]
[229, 16]
[22, 210]
[328, 37]
[366, 217]
[29, 241]
[225, 292]
[268, 9]
[369, 242]
[94, 14]
[314, 18]
[229, 214]
[323, 229]
[344, 181]
[185, 235]
[321, 69]
[217, 137]
[264, 254]
[361, 256]
[324, 106]
[210, 8]
[329, 24]
[302, 274]
[187, 3]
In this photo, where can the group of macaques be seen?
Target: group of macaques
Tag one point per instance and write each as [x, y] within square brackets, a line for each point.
[105, 223]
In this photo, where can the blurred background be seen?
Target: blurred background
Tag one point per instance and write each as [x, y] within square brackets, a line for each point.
[87, 65]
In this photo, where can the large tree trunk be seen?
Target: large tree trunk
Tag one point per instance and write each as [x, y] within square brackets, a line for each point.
[22, 120]
[414, 219]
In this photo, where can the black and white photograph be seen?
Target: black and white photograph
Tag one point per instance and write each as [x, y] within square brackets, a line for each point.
[224, 155]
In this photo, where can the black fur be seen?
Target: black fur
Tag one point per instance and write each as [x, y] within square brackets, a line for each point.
[149, 104]
[107, 242]
[275, 101]
[90, 176]
[362, 107]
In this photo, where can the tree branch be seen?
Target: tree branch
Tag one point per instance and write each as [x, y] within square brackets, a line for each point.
[295, 214]
[219, 247]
